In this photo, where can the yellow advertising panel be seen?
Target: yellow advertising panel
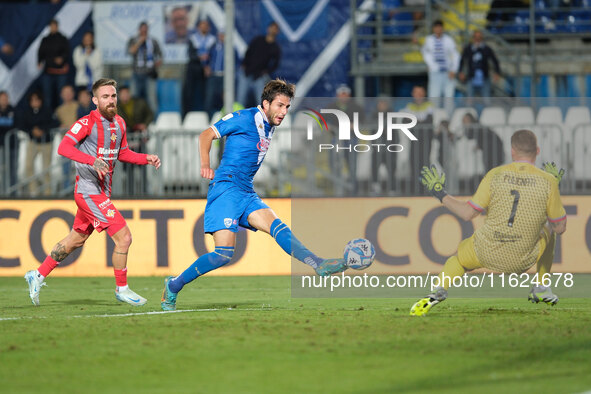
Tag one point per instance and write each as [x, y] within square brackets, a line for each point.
[411, 235]
[167, 238]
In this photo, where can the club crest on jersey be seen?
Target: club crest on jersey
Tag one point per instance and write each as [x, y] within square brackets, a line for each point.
[227, 222]
[113, 137]
[110, 213]
[263, 144]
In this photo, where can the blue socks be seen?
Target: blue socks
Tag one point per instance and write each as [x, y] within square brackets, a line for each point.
[208, 262]
[291, 245]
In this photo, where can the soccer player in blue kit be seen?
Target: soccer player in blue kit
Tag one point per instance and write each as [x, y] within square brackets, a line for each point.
[231, 199]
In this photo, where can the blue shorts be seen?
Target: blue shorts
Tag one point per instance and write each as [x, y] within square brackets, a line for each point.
[228, 207]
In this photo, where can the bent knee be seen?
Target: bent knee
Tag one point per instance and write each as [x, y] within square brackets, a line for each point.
[124, 240]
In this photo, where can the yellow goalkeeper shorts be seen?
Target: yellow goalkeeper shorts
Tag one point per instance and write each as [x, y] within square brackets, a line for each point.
[467, 253]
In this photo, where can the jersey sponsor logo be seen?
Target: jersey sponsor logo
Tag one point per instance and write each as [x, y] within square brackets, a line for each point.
[103, 151]
[227, 222]
[110, 213]
[263, 144]
[76, 128]
[105, 203]
[84, 122]
[229, 116]
[113, 128]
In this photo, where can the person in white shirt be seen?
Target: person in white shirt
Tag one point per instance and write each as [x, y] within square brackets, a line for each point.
[88, 61]
[442, 58]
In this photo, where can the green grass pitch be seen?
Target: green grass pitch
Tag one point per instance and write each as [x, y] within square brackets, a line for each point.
[247, 335]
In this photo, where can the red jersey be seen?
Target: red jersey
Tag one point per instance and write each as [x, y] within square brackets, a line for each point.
[97, 137]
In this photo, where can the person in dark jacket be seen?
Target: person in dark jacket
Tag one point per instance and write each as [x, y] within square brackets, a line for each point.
[54, 58]
[260, 61]
[198, 47]
[37, 121]
[476, 58]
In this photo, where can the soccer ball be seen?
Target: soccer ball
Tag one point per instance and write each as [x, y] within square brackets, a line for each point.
[359, 253]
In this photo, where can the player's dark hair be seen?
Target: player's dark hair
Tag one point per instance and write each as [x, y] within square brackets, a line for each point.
[103, 82]
[525, 141]
[437, 22]
[276, 87]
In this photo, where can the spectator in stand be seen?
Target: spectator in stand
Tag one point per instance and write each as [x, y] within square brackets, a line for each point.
[442, 58]
[345, 102]
[67, 112]
[147, 58]
[88, 61]
[37, 121]
[85, 104]
[420, 150]
[5, 48]
[476, 57]
[198, 49]
[214, 72]
[135, 111]
[67, 115]
[260, 61]
[9, 149]
[137, 115]
[53, 58]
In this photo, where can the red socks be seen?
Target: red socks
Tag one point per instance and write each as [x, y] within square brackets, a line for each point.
[48, 265]
[120, 277]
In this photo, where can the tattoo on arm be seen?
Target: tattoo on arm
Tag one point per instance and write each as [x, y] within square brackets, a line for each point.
[59, 252]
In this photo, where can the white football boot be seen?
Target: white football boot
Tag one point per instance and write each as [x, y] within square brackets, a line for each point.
[35, 282]
[131, 297]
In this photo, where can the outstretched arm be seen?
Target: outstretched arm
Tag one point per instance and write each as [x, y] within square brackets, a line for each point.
[205, 140]
[460, 208]
[435, 183]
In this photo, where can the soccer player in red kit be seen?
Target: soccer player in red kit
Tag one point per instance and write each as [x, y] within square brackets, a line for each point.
[101, 140]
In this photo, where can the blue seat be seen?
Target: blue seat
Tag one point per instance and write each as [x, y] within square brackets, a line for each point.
[169, 95]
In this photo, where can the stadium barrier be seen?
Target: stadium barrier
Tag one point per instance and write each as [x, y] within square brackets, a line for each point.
[411, 235]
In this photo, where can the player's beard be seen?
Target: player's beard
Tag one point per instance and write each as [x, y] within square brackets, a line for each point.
[108, 112]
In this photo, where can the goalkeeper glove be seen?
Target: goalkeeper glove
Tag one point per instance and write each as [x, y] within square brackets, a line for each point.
[552, 169]
[433, 181]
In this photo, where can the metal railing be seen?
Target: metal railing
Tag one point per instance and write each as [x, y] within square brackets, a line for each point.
[293, 167]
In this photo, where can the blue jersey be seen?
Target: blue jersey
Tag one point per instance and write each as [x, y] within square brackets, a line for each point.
[248, 136]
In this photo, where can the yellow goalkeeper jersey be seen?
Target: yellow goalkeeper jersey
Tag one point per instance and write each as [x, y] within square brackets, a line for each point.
[518, 199]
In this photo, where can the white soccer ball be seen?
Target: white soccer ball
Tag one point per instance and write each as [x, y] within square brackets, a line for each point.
[359, 253]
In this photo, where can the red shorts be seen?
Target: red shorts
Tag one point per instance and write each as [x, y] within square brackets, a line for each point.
[97, 212]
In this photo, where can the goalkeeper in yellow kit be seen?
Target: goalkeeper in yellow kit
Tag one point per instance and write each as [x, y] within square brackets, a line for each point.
[524, 213]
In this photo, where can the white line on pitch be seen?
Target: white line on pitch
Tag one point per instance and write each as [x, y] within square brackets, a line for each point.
[142, 313]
